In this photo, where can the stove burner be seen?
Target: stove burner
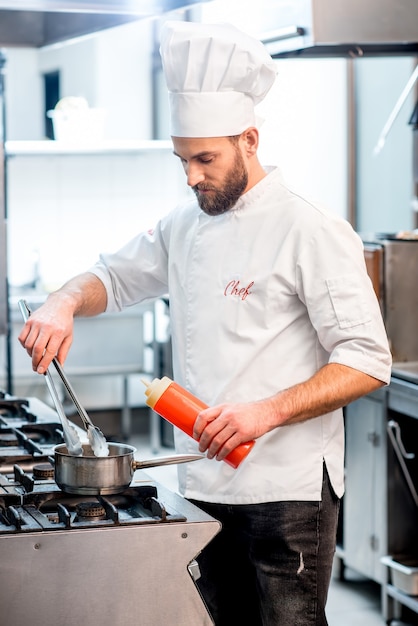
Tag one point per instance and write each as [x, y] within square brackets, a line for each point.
[16, 408]
[43, 471]
[8, 440]
[48, 434]
[90, 510]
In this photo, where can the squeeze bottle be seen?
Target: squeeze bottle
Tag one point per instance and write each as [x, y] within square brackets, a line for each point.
[180, 407]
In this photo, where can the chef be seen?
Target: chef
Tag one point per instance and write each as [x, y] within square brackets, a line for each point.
[275, 326]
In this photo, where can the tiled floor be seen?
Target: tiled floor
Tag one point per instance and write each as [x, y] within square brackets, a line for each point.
[353, 601]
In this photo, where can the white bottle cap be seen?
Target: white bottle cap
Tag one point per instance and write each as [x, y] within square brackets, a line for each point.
[155, 389]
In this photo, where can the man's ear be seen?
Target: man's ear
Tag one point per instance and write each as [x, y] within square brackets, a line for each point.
[250, 140]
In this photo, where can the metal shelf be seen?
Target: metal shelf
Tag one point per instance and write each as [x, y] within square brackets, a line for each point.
[393, 612]
[64, 148]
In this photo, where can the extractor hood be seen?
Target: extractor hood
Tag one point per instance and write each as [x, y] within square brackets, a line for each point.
[317, 28]
[38, 23]
[290, 27]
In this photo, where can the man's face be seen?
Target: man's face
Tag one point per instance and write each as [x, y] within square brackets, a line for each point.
[215, 171]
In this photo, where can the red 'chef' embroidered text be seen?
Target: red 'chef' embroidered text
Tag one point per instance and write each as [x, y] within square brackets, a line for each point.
[233, 289]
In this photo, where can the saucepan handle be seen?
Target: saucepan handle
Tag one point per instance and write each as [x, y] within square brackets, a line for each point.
[167, 460]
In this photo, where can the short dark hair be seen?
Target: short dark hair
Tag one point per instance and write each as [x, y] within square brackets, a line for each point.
[234, 139]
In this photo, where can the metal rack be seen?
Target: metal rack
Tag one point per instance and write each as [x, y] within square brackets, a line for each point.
[394, 598]
[393, 609]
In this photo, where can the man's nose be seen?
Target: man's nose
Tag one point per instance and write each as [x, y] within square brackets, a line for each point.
[194, 175]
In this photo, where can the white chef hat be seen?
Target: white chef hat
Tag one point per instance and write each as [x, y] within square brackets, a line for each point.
[215, 75]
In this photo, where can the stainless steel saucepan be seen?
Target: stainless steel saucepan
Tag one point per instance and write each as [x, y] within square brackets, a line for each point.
[92, 475]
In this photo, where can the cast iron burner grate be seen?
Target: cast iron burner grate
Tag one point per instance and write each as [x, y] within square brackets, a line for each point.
[15, 409]
[36, 441]
[13, 516]
[57, 510]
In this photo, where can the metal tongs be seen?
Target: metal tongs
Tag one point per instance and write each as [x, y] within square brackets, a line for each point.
[95, 436]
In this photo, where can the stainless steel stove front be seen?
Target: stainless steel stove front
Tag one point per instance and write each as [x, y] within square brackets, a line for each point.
[109, 575]
[67, 560]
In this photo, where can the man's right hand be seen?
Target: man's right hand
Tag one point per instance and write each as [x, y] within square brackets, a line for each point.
[48, 333]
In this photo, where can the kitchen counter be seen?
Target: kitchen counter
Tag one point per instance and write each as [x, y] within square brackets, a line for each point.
[406, 371]
[402, 393]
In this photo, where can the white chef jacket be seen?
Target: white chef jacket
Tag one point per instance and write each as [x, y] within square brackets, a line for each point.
[261, 297]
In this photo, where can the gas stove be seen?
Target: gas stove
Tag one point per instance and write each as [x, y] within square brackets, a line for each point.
[132, 552]
[50, 509]
[29, 433]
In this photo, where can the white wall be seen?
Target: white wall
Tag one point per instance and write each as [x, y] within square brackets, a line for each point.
[66, 209]
[305, 128]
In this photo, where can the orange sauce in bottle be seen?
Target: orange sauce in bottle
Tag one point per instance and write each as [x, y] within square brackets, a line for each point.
[180, 407]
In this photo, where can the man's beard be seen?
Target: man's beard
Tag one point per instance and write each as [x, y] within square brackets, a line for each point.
[219, 201]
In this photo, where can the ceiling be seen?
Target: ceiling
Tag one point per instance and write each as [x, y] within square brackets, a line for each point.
[291, 27]
[38, 23]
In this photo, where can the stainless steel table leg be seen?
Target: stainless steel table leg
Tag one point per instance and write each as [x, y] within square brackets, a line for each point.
[155, 431]
[126, 419]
